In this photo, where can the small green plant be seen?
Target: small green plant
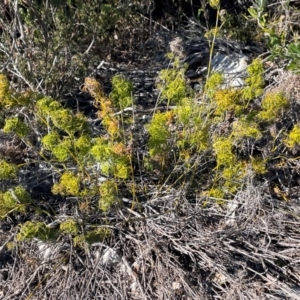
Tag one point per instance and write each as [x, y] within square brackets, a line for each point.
[113, 158]
[98, 235]
[93, 236]
[223, 150]
[69, 185]
[40, 230]
[5, 93]
[243, 128]
[255, 80]
[7, 170]
[172, 83]
[159, 133]
[122, 91]
[293, 138]
[213, 83]
[16, 126]
[108, 195]
[14, 200]
[272, 104]
[69, 226]
[228, 100]
[52, 114]
[258, 165]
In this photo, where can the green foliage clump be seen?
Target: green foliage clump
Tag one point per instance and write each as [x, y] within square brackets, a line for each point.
[80, 241]
[243, 128]
[223, 150]
[92, 236]
[62, 151]
[228, 100]
[113, 158]
[69, 185]
[9, 99]
[45, 106]
[213, 83]
[97, 235]
[271, 105]
[108, 195]
[14, 200]
[216, 193]
[5, 94]
[258, 165]
[83, 145]
[159, 133]
[185, 111]
[61, 118]
[69, 226]
[255, 80]
[232, 177]
[16, 126]
[7, 170]
[50, 140]
[293, 138]
[40, 230]
[172, 83]
[195, 126]
[122, 90]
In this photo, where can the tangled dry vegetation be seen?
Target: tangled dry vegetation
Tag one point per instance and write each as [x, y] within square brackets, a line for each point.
[153, 179]
[249, 251]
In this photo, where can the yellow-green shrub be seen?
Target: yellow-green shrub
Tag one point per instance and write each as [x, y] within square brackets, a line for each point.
[159, 133]
[5, 96]
[213, 83]
[63, 150]
[228, 100]
[108, 195]
[69, 226]
[111, 160]
[7, 170]
[272, 104]
[16, 126]
[223, 150]
[242, 128]
[40, 230]
[255, 80]
[98, 235]
[293, 138]
[258, 165]
[69, 185]
[92, 236]
[172, 83]
[122, 91]
[14, 200]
